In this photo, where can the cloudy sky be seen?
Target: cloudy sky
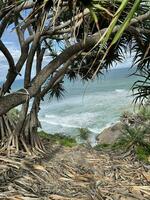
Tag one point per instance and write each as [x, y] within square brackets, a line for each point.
[9, 39]
[11, 42]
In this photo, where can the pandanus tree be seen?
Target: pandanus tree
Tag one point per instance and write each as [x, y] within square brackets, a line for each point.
[88, 35]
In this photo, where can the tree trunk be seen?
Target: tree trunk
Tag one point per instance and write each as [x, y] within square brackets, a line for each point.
[21, 136]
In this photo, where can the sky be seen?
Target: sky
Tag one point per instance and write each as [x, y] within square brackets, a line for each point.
[11, 42]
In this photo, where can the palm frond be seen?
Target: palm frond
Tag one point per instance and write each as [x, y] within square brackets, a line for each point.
[141, 88]
[57, 90]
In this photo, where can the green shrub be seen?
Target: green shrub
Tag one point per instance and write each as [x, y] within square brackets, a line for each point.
[134, 136]
[44, 135]
[144, 112]
[84, 133]
[14, 114]
[100, 147]
[143, 153]
[136, 133]
[63, 140]
[68, 142]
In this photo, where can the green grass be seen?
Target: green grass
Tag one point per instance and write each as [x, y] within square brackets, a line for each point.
[63, 140]
[100, 147]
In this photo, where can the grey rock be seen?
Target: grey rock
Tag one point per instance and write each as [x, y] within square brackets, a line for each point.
[110, 135]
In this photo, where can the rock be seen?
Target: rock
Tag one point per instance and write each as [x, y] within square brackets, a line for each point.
[110, 135]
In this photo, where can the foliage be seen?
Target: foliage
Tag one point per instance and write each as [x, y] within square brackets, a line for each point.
[100, 147]
[143, 154]
[14, 114]
[137, 135]
[132, 136]
[84, 133]
[144, 113]
[141, 88]
[57, 90]
[63, 140]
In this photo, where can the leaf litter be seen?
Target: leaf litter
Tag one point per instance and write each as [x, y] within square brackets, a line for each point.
[77, 173]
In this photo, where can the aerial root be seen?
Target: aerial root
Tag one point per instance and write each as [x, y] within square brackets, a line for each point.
[14, 144]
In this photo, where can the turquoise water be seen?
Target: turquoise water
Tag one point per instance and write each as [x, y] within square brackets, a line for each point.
[92, 105]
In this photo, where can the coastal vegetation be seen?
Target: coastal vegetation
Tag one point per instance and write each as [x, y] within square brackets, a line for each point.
[135, 135]
[58, 138]
[80, 38]
[84, 134]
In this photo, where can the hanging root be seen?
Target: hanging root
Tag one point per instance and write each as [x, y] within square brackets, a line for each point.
[6, 137]
[30, 131]
[10, 145]
[13, 142]
[36, 143]
[16, 144]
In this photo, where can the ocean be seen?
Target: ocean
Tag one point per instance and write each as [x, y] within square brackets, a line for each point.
[92, 105]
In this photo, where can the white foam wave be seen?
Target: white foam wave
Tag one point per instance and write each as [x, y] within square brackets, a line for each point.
[79, 120]
[94, 130]
[59, 124]
[120, 90]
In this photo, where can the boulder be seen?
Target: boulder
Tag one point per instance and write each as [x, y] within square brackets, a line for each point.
[110, 135]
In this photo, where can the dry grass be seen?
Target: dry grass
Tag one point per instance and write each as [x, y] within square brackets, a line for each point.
[73, 174]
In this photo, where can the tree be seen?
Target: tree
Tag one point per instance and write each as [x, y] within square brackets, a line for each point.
[91, 36]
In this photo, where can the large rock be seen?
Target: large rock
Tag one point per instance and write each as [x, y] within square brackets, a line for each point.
[110, 135]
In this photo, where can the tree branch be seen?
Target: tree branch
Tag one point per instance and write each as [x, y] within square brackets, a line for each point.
[57, 77]
[14, 99]
[12, 76]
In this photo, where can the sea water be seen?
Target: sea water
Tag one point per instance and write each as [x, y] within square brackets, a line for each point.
[92, 105]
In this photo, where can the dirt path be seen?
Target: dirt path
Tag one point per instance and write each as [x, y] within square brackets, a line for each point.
[75, 173]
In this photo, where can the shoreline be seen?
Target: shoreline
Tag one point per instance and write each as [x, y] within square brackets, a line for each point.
[92, 136]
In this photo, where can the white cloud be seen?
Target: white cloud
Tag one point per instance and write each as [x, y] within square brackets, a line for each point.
[3, 62]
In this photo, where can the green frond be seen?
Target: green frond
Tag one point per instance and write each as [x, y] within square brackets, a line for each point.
[57, 90]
